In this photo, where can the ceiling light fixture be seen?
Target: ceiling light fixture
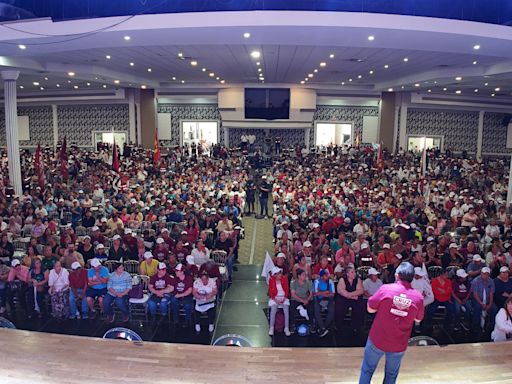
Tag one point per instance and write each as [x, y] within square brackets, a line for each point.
[143, 86]
[127, 38]
[36, 83]
[476, 90]
[75, 86]
[104, 85]
[58, 85]
[22, 46]
[323, 64]
[46, 78]
[371, 37]
[371, 72]
[259, 69]
[493, 94]
[349, 80]
[88, 84]
[475, 62]
[406, 59]
[116, 81]
[247, 35]
[258, 63]
[315, 70]
[476, 47]
[174, 78]
[359, 76]
[255, 54]
[182, 81]
[302, 81]
[217, 78]
[108, 57]
[458, 78]
[458, 91]
[42, 89]
[486, 84]
[497, 89]
[331, 56]
[429, 90]
[445, 89]
[204, 69]
[390, 89]
[262, 78]
[417, 84]
[211, 74]
[150, 70]
[310, 75]
[69, 81]
[21, 87]
[222, 81]
[386, 66]
[132, 64]
[71, 74]
[180, 54]
[342, 83]
[193, 63]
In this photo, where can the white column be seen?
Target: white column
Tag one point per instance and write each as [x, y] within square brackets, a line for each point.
[55, 127]
[307, 137]
[226, 137]
[402, 139]
[395, 129]
[11, 129]
[509, 191]
[480, 136]
[131, 117]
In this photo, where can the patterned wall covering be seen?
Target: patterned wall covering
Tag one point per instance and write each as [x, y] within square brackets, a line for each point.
[77, 122]
[290, 137]
[40, 123]
[188, 112]
[494, 137]
[460, 129]
[343, 114]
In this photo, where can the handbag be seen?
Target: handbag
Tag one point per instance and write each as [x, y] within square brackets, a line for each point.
[137, 291]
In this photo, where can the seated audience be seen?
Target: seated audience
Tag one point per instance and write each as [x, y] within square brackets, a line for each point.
[160, 286]
[78, 283]
[205, 293]
[372, 283]
[118, 287]
[278, 292]
[182, 295]
[97, 278]
[323, 292]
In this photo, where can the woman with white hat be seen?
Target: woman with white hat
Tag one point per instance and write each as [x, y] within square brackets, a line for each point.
[278, 292]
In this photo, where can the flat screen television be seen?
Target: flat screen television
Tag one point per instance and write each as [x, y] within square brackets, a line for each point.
[267, 103]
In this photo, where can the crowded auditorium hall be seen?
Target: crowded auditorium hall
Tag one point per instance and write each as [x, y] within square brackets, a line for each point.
[303, 180]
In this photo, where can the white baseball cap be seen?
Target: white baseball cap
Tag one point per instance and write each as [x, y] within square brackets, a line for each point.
[486, 270]
[95, 263]
[504, 269]
[15, 263]
[461, 273]
[453, 245]
[385, 246]
[419, 271]
[373, 271]
[364, 246]
[75, 265]
[116, 237]
[281, 254]
[474, 229]
[162, 266]
[276, 270]
[95, 228]
[477, 258]
[307, 243]
[399, 256]
[100, 246]
[148, 255]
[429, 239]
[127, 231]
[160, 240]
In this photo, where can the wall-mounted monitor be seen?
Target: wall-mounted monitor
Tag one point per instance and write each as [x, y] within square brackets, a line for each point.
[267, 103]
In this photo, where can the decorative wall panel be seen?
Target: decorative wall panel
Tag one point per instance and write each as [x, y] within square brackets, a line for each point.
[40, 123]
[188, 112]
[343, 114]
[460, 129]
[494, 137]
[77, 122]
[289, 137]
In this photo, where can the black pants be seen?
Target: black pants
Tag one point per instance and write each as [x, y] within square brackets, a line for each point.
[209, 313]
[250, 206]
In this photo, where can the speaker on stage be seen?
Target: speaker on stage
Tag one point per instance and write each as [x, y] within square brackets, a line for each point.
[231, 340]
[120, 333]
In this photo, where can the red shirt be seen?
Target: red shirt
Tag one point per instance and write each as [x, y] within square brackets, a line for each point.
[318, 268]
[397, 305]
[181, 286]
[78, 278]
[447, 287]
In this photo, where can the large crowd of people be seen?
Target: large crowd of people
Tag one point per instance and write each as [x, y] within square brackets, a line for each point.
[344, 218]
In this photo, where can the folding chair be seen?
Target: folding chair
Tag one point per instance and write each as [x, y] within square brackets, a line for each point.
[132, 267]
[138, 307]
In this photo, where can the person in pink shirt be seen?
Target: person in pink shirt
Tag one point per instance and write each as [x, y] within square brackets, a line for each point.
[397, 307]
[18, 279]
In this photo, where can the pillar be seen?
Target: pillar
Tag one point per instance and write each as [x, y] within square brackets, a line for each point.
[387, 120]
[11, 129]
[148, 117]
[480, 135]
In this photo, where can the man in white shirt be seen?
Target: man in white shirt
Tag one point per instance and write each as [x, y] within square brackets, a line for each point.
[422, 285]
[372, 283]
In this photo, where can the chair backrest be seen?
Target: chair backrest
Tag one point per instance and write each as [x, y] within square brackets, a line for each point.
[81, 231]
[110, 265]
[132, 267]
[145, 282]
[219, 256]
[434, 271]
[362, 272]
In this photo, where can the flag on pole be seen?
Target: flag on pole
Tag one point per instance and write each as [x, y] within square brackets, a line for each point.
[380, 159]
[38, 167]
[267, 266]
[156, 154]
[358, 140]
[64, 171]
[115, 158]
[423, 168]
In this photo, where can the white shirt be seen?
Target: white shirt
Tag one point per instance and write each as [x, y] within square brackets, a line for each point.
[200, 257]
[424, 287]
[503, 326]
[58, 281]
[372, 287]
[201, 304]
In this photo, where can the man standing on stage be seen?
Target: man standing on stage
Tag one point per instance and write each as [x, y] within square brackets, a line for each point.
[397, 306]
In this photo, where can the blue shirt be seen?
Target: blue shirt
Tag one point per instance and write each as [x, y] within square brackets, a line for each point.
[478, 286]
[103, 273]
[319, 285]
[120, 283]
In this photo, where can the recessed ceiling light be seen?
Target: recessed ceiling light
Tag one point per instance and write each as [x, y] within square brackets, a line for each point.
[88, 84]
[182, 81]
[127, 38]
[310, 75]
[132, 64]
[96, 78]
[217, 78]
[222, 81]
[349, 80]
[150, 70]
[143, 86]
[302, 81]
[247, 35]
[108, 57]
[193, 63]
[331, 56]
[390, 89]
[116, 81]
[180, 54]
[476, 47]
[493, 94]
[458, 91]
[359, 76]
[323, 64]
[342, 83]
[402, 87]
[174, 78]
[458, 78]
[69, 81]
[435, 82]
[306, 79]
[417, 84]
[386, 66]
[21, 87]
[71, 74]
[486, 84]
[315, 70]
[42, 89]
[406, 59]
[255, 54]
[429, 90]
[75, 86]
[259, 69]
[371, 37]
[204, 69]
[58, 85]
[22, 46]
[104, 85]
[445, 89]
[371, 72]
[262, 78]
[475, 62]
[211, 74]
[497, 89]
[258, 63]
[476, 90]
[46, 78]
[36, 83]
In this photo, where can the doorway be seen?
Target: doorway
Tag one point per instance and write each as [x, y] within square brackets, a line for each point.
[333, 134]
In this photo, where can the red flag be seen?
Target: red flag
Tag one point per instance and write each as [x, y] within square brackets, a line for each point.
[380, 159]
[115, 158]
[156, 154]
[358, 140]
[39, 168]
[64, 159]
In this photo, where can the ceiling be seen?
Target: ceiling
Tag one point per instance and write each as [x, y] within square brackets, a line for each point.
[419, 54]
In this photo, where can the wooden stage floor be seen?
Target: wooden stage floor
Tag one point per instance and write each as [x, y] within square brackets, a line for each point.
[43, 358]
